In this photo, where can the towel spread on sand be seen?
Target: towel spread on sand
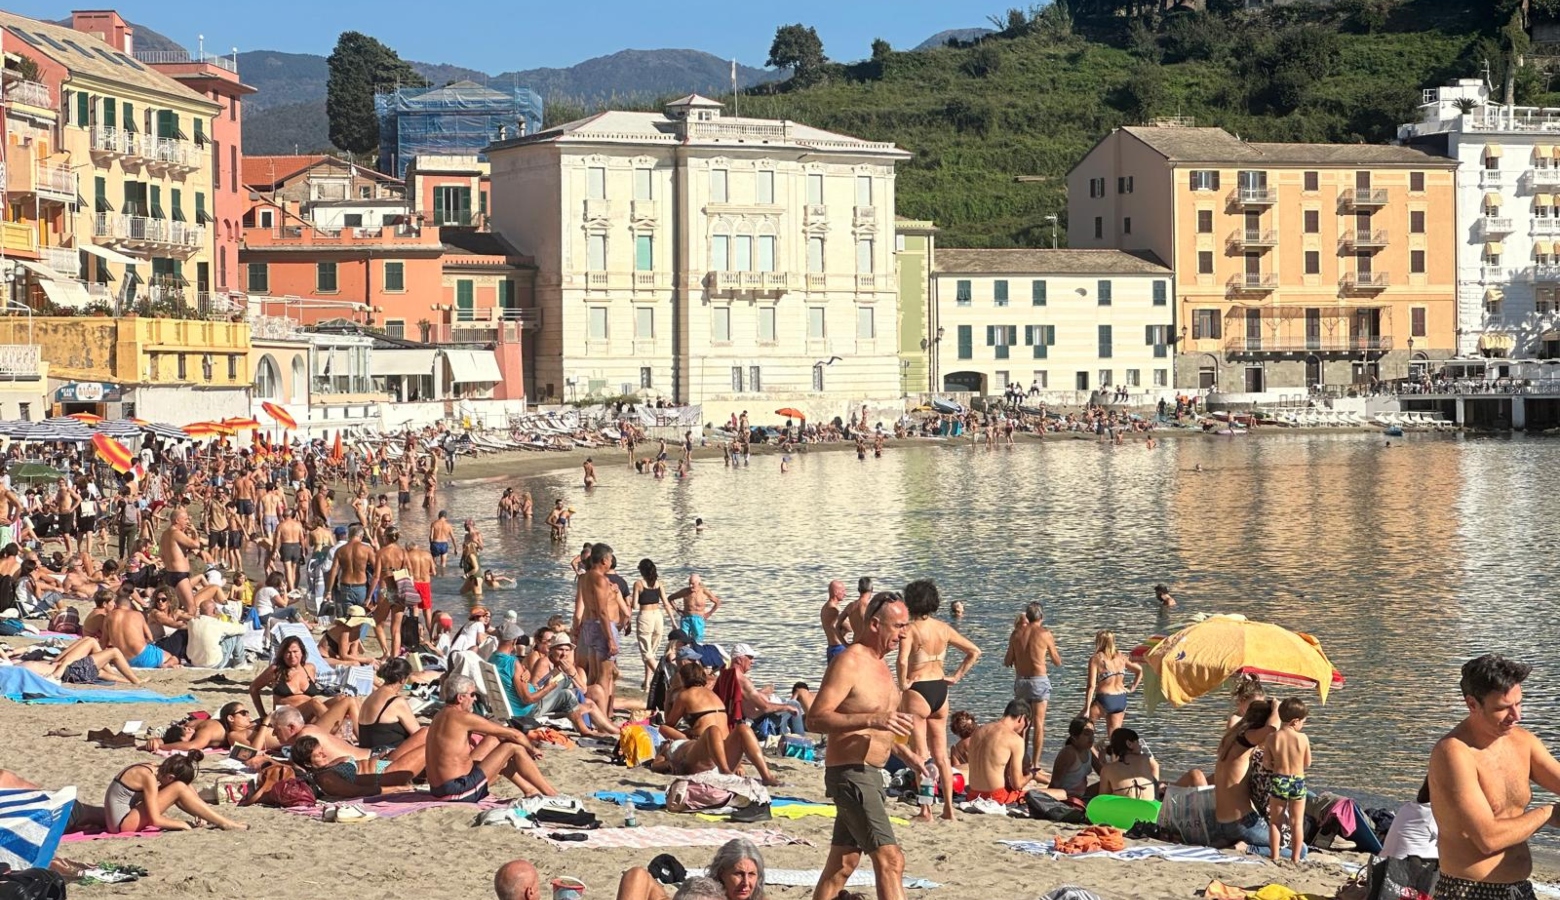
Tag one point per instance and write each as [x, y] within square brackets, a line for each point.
[644, 800]
[862, 877]
[796, 811]
[24, 686]
[657, 837]
[1173, 853]
[100, 835]
[389, 806]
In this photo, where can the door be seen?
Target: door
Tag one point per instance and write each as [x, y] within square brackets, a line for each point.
[1313, 332]
[1207, 378]
[1255, 383]
[1361, 226]
[1253, 226]
[1082, 382]
[1313, 372]
[1253, 329]
[1367, 329]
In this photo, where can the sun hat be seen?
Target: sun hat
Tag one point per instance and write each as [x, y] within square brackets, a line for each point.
[561, 639]
[357, 615]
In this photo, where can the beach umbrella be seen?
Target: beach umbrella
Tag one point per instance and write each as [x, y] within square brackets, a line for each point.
[336, 453]
[14, 428]
[1200, 657]
[204, 429]
[281, 415]
[118, 428]
[86, 418]
[33, 473]
[62, 428]
[245, 423]
[118, 457]
[791, 412]
[163, 430]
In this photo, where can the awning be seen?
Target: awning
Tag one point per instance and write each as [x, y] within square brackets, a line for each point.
[401, 362]
[1493, 248]
[113, 256]
[43, 272]
[1493, 295]
[469, 366]
[1541, 248]
[66, 293]
[1492, 199]
[1552, 334]
[1543, 200]
[1543, 151]
[1497, 342]
[1492, 151]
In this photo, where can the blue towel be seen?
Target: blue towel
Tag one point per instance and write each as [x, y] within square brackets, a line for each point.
[643, 799]
[24, 686]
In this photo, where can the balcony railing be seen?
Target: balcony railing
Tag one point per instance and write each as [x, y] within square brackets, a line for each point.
[30, 93]
[19, 361]
[866, 214]
[1548, 272]
[64, 260]
[816, 212]
[143, 230]
[171, 152]
[1366, 197]
[164, 57]
[1491, 178]
[870, 282]
[1493, 225]
[816, 281]
[1489, 274]
[113, 141]
[1254, 282]
[1546, 225]
[1254, 238]
[1255, 196]
[755, 282]
[1365, 281]
[1344, 343]
[55, 183]
[1366, 239]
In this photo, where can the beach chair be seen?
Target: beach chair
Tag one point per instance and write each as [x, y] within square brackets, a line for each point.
[497, 698]
[357, 679]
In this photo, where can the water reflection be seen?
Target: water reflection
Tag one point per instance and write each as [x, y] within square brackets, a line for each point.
[1404, 561]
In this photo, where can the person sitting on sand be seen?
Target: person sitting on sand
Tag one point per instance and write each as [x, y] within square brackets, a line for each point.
[345, 777]
[342, 642]
[456, 771]
[708, 743]
[555, 685]
[385, 719]
[996, 764]
[962, 724]
[1130, 772]
[294, 683]
[738, 868]
[1075, 762]
[139, 796]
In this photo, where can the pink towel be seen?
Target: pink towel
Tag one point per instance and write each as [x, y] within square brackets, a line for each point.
[79, 836]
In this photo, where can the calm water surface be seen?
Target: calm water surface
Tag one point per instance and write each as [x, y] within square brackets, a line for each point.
[1403, 561]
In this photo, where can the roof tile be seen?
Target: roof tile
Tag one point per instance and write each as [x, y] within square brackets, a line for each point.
[1048, 262]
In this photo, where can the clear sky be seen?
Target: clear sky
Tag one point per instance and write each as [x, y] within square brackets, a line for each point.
[499, 36]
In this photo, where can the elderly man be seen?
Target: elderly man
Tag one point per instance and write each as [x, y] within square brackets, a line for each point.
[836, 624]
[459, 773]
[213, 642]
[699, 606]
[517, 880]
[762, 714]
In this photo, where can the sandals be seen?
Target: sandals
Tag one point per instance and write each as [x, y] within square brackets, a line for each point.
[348, 813]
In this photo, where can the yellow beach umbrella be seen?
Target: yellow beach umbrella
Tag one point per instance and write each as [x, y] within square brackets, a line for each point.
[1199, 658]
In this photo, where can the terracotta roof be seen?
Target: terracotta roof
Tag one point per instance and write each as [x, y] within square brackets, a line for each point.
[269, 171]
[1048, 262]
[85, 55]
[1215, 145]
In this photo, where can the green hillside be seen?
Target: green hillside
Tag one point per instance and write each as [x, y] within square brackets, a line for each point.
[1033, 99]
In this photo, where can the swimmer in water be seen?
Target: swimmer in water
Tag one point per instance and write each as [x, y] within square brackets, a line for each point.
[698, 524]
[1162, 594]
[1197, 468]
[497, 581]
[957, 609]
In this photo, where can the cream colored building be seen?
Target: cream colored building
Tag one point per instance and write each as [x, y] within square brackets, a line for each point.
[1068, 322]
[722, 261]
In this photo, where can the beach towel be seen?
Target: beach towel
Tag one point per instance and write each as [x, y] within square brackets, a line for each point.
[728, 687]
[31, 824]
[862, 877]
[24, 686]
[1171, 852]
[101, 835]
[646, 800]
[796, 811]
[390, 806]
[657, 837]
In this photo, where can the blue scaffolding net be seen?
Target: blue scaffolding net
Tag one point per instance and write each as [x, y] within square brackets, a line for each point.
[458, 119]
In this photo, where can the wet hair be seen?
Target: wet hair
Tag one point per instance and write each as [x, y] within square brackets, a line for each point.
[864, 584]
[303, 750]
[1491, 674]
[1033, 611]
[962, 723]
[1078, 726]
[1424, 792]
[1160, 590]
[175, 731]
[1016, 709]
[733, 852]
[1292, 709]
[800, 686]
[395, 671]
[922, 597]
[181, 766]
[693, 675]
[647, 570]
[1117, 746]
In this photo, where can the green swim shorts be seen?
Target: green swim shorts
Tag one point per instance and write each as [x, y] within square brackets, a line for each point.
[862, 820]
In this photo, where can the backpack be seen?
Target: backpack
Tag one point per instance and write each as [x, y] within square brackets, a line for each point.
[634, 747]
[67, 622]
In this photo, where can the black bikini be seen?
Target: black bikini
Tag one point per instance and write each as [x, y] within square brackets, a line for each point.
[284, 690]
[935, 692]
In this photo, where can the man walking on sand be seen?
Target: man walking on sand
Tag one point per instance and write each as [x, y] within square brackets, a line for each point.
[1030, 645]
[857, 707]
[1481, 777]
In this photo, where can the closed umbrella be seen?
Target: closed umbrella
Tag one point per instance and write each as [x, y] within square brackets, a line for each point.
[336, 453]
[1199, 658]
[118, 457]
[281, 415]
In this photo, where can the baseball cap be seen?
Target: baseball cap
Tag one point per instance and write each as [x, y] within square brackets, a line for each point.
[679, 636]
[510, 632]
[561, 639]
[744, 650]
[341, 531]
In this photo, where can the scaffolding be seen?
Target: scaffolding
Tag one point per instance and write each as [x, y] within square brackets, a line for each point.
[460, 119]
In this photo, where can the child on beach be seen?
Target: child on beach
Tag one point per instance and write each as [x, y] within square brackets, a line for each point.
[1288, 754]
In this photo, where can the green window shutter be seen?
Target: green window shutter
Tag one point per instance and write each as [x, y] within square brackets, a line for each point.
[1037, 292]
[1148, 334]
[506, 294]
[129, 116]
[1160, 293]
[176, 204]
[109, 109]
[200, 207]
[991, 335]
[156, 204]
[100, 194]
[83, 109]
[1000, 292]
[1029, 335]
[1104, 292]
[465, 297]
[1050, 335]
[966, 342]
[395, 276]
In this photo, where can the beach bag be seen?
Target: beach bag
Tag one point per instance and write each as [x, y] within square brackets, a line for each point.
[11, 627]
[67, 622]
[265, 791]
[634, 747]
[797, 747]
[31, 884]
[1394, 878]
[687, 795]
[1189, 812]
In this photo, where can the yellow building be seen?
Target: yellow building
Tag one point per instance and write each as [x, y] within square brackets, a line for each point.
[1295, 264]
[136, 143]
[40, 189]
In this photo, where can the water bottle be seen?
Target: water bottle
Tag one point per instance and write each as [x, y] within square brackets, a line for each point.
[630, 819]
[926, 790]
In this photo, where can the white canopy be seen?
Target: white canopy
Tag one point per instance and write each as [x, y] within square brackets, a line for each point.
[471, 366]
[65, 293]
[402, 362]
[113, 256]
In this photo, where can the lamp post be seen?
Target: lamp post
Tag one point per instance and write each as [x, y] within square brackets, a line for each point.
[1052, 220]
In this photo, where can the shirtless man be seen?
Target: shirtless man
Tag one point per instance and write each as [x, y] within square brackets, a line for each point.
[833, 619]
[699, 606]
[430, 484]
[10, 513]
[600, 618]
[419, 563]
[856, 707]
[440, 536]
[458, 772]
[590, 472]
[323, 501]
[289, 539]
[1029, 647]
[286, 724]
[996, 768]
[1239, 824]
[1480, 787]
[66, 503]
[244, 495]
[348, 579]
[175, 540]
[855, 611]
[403, 487]
[126, 630]
[391, 586]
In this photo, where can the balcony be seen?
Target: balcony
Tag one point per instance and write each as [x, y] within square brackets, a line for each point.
[480, 326]
[644, 211]
[1253, 283]
[171, 153]
[816, 214]
[1490, 226]
[1488, 274]
[597, 281]
[1311, 343]
[1254, 196]
[1365, 198]
[54, 183]
[64, 260]
[1365, 282]
[865, 283]
[1366, 239]
[1253, 238]
[1546, 225]
[141, 231]
[1547, 177]
[29, 93]
[114, 142]
[816, 282]
[19, 362]
[1491, 179]
[597, 209]
[175, 57]
[749, 282]
[1547, 273]
[650, 281]
[865, 215]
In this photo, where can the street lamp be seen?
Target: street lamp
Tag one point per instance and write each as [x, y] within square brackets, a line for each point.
[1052, 220]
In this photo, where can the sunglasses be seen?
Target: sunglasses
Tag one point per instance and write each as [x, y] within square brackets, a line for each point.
[881, 600]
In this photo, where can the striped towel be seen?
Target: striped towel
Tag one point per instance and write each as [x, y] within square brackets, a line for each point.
[862, 877]
[658, 837]
[1171, 852]
[389, 806]
[31, 824]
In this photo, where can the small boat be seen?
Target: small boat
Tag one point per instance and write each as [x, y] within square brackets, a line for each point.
[947, 407]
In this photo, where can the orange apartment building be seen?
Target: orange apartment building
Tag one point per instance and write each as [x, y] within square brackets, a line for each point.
[1295, 264]
[40, 184]
[449, 190]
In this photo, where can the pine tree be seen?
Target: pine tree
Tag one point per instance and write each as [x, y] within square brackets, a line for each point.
[359, 66]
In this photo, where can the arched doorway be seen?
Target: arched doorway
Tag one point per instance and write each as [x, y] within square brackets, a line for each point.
[973, 382]
[268, 379]
[300, 380]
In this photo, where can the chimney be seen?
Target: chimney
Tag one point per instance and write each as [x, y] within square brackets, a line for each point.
[107, 26]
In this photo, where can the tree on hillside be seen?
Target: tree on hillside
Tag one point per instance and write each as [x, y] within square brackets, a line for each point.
[881, 49]
[359, 66]
[798, 48]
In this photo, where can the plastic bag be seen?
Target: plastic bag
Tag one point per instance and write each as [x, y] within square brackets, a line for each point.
[31, 884]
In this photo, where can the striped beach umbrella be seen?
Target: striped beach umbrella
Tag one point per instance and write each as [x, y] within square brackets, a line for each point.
[245, 423]
[118, 457]
[204, 429]
[163, 430]
[62, 428]
[281, 415]
[86, 418]
[118, 428]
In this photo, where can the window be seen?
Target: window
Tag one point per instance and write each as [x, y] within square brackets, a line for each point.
[182, 372]
[1134, 378]
[999, 292]
[766, 253]
[1037, 292]
[156, 202]
[1105, 341]
[744, 247]
[1099, 227]
[232, 366]
[966, 342]
[1096, 187]
[1416, 262]
[366, 192]
[506, 295]
[1106, 379]
[1313, 221]
[815, 329]
[815, 190]
[1206, 325]
[1104, 292]
[645, 377]
[325, 277]
[1313, 182]
[1205, 181]
[720, 253]
[863, 190]
[596, 252]
[720, 324]
[766, 186]
[1000, 338]
[766, 325]
[84, 115]
[817, 378]
[754, 382]
[1126, 225]
[395, 276]
[1313, 262]
[598, 323]
[1039, 337]
[815, 255]
[644, 322]
[267, 218]
[866, 327]
[643, 189]
[1124, 184]
[1158, 337]
[864, 256]
[1042, 379]
[1416, 182]
[961, 292]
[1416, 221]
[718, 185]
[259, 278]
[1161, 293]
[1492, 160]
[465, 300]
[1205, 221]
[595, 183]
[176, 204]
[348, 220]
[452, 204]
[644, 253]
[1416, 322]
[1161, 378]
[1205, 262]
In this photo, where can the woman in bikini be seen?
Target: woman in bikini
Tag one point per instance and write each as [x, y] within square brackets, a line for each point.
[1131, 772]
[140, 795]
[925, 681]
[342, 642]
[649, 602]
[1108, 690]
[293, 682]
[708, 741]
[386, 719]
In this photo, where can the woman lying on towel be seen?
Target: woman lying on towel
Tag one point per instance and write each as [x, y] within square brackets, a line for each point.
[234, 724]
[345, 778]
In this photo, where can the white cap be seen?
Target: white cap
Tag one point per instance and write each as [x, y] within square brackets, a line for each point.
[744, 650]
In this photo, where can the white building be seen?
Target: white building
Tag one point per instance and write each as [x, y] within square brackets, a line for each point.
[729, 262]
[1069, 321]
[1508, 217]
[342, 393]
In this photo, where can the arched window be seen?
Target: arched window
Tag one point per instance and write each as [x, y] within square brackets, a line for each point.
[268, 379]
[300, 381]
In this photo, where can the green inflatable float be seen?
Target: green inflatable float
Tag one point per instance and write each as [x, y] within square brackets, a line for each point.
[1121, 812]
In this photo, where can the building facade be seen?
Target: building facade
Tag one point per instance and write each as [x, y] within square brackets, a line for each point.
[458, 119]
[717, 261]
[449, 190]
[37, 233]
[915, 247]
[1296, 265]
[1066, 323]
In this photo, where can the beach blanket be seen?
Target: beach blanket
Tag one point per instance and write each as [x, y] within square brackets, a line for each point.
[659, 837]
[390, 806]
[796, 811]
[1172, 852]
[644, 800]
[24, 686]
[31, 824]
[862, 877]
[101, 835]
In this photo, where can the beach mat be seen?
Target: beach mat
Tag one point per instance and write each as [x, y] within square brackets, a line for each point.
[390, 806]
[24, 686]
[796, 811]
[1173, 853]
[657, 837]
[862, 877]
[99, 835]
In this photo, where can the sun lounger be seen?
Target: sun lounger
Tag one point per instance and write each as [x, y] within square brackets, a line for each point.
[357, 679]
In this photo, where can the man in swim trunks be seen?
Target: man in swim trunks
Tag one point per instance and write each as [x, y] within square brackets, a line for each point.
[458, 772]
[289, 543]
[996, 770]
[10, 514]
[856, 706]
[348, 579]
[1480, 786]
[271, 503]
[175, 540]
[836, 625]
[601, 615]
[126, 630]
[1029, 647]
[403, 487]
[419, 563]
[699, 606]
[440, 535]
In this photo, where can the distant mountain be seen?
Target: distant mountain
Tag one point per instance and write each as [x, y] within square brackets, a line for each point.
[941, 38]
[638, 73]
